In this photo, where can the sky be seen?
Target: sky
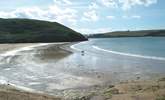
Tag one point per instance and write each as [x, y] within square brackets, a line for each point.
[90, 16]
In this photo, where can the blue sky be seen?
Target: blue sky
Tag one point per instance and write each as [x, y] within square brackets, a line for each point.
[90, 16]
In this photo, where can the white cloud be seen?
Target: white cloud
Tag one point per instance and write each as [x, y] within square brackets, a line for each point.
[131, 16]
[33, 12]
[67, 2]
[6, 15]
[90, 15]
[128, 4]
[54, 12]
[93, 6]
[93, 30]
[136, 16]
[62, 14]
[62, 2]
[110, 17]
[109, 3]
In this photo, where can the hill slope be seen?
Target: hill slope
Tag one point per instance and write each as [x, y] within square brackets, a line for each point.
[30, 31]
[129, 34]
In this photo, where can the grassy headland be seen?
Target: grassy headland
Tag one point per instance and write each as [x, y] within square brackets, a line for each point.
[141, 33]
[33, 31]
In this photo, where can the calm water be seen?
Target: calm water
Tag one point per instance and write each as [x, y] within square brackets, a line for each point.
[104, 60]
[144, 46]
[144, 53]
[147, 46]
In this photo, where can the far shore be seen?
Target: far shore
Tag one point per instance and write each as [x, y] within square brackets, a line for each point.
[127, 90]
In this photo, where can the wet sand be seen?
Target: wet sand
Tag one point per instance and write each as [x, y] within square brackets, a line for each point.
[7, 47]
[10, 92]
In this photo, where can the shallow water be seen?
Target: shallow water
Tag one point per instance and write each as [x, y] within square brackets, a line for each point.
[143, 55]
[47, 69]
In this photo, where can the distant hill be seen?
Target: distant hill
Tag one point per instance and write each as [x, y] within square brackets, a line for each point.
[32, 31]
[140, 33]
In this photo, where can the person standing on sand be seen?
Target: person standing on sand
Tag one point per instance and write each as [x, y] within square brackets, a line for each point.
[82, 53]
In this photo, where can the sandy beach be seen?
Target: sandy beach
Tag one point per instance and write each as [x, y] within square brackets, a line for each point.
[7, 47]
[126, 90]
[10, 92]
[133, 90]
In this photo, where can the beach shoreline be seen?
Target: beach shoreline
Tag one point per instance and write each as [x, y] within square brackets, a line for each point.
[127, 89]
[10, 91]
[8, 47]
[130, 90]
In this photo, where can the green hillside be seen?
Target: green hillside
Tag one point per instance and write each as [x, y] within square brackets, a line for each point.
[140, 33]
[33, 31]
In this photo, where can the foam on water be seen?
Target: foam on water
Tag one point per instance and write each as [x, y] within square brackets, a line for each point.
[3, 80]
[129, 54]
[74, 47]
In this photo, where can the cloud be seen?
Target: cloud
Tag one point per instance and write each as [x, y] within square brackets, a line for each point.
[7, 15]
[136, 16]
[93, 6]
[110, 17]
[93, 30]
[62, 14]
[33, 12]
[62, 2]
[131, 17]
[128, 4]
[91, 14]
[55, 12]
[109, 3]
